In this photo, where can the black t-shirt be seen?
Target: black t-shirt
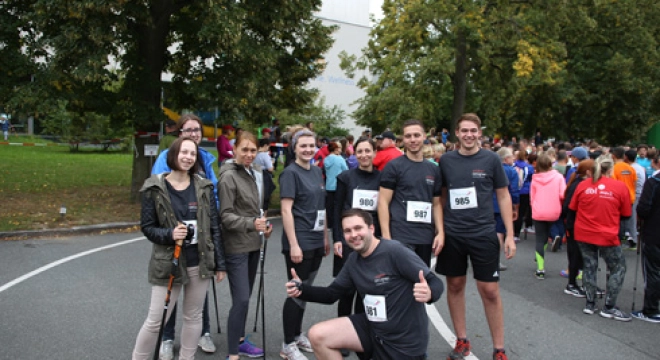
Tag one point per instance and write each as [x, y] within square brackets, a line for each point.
[307, 189]
[470, 179]
[184, 203]
[391, 271]
[365, 183]
[415, 184]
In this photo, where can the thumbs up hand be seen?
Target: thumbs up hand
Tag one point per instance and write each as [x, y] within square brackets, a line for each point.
[421, 290]
[293, 287]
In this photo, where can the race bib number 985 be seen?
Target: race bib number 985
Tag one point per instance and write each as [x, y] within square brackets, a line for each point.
[463, 198]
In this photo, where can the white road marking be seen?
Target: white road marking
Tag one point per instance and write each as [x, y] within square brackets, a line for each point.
[441, 326]
[38, 271]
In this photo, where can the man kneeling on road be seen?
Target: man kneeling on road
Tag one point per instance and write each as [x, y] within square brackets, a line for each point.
[394, 284]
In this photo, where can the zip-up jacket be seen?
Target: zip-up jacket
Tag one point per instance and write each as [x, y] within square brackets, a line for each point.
[160, 166]
[158, 221]
[546, 195]
[241, 205]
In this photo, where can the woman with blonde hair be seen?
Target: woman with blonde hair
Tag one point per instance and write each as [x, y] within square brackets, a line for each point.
[600, 204]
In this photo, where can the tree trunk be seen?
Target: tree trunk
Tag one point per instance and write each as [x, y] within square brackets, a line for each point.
[144, 85]
[459, 81]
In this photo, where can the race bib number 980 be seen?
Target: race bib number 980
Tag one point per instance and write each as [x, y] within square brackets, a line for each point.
[365, 199]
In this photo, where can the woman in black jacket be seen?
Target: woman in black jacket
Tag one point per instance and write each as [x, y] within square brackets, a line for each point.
[173, 203]
[575, 262]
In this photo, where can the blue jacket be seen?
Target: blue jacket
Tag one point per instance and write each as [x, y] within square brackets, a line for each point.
[512, 175]
[528, 171]
[208, 159]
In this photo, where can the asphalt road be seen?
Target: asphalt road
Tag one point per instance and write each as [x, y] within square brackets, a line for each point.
[91, 305]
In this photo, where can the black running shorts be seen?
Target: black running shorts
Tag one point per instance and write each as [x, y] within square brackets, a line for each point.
[373, 346]
[483, 251]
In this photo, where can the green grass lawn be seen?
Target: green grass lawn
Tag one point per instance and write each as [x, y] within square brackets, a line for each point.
[93, 185]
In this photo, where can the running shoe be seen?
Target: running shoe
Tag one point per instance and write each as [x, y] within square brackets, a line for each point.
[556, 243]
[248, 349]
[530, 230]
[206, 343]
[291, 352]
[303, 343]
[540, 274]
[564, 274]
[499, 354]
[167, 350]
[516, 239]
[575, 291]
[650, 318]
[461, 350]
[615, 313]
[590, 308]
[632, 246]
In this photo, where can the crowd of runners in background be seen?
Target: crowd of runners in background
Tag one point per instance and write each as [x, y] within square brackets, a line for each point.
[470, 199]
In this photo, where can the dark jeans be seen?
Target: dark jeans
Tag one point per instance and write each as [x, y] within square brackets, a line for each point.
[168, 332]
[241, 272]
[651, 271]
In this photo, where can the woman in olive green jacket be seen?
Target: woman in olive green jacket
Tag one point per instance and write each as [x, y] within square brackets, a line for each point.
[172, 203]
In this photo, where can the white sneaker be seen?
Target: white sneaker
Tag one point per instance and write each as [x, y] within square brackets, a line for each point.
[206, 343]
[303, 343]
[291, 352]
[167, 350]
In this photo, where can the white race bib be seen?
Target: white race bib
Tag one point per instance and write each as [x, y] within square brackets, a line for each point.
[365, 199]
[463, 198]
[374, 307]
[319, 224]
[418, 211]
[194, 224]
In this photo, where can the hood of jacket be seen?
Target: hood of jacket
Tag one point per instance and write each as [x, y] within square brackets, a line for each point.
[547, 177]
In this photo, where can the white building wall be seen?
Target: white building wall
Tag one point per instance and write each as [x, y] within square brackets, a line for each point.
[352, 35]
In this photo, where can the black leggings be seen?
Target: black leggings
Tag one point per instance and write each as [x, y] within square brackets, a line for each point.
[575, 262]
[524, 214]
[294, 309]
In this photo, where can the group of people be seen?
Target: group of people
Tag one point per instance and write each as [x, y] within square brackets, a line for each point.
[390, 212]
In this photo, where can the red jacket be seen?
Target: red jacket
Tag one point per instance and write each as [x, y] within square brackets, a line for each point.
[224, 149]
[384, 156]
[599, 208]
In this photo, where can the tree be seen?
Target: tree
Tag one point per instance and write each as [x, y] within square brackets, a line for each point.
[585, 67]
[245, 57]
[326, 119]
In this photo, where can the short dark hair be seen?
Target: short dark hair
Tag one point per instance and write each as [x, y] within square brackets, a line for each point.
[366, 216]
[173, 154]
[364, 139]
[264, 142]
[561, 155]
[631, 155]
[618, 152]
[412, 122]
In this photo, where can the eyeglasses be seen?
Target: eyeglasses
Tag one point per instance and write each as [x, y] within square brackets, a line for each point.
[191, 131]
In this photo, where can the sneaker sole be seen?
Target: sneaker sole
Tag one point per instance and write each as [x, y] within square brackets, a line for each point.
[555, 244]
[589, 312]
[252, 355]
[647, 319]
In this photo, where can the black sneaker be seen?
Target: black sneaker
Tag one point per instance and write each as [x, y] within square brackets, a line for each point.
[575, 291]
[556, 243]
[540, 274]
[590, 308]
[632, 246]
[615, 313]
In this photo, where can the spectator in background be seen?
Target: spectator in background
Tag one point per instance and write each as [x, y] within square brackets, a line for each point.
[514, 190]
[263, 159]
[237, 133]
[6, 125]
[171, 134]
[265, 133]
[625, 173]
[387, 151]
[525, 172]
[642, 159]
[334, 164]
[224, 146]
[629, 158]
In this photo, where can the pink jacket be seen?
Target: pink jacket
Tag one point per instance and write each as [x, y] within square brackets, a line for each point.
[546, 195]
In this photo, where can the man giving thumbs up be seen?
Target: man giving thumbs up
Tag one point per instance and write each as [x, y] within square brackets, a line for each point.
[394, 284]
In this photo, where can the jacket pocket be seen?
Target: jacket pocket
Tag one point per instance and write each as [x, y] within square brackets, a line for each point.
[161, 262]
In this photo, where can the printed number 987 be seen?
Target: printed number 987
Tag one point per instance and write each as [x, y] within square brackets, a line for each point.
[420, 213]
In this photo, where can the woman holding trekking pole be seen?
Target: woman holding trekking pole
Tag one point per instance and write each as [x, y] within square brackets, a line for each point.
[243, 191]
[179, 210]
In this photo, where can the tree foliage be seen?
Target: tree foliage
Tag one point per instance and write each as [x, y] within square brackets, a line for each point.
[246, 57]
[327, 119]
[581, 67]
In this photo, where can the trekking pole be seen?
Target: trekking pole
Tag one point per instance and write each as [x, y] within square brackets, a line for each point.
[639, 248]
[175, 266]
[262, 256]
[263, 292]
[215, 301]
